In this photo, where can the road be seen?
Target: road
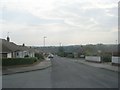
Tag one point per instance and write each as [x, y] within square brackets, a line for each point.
[64, 73]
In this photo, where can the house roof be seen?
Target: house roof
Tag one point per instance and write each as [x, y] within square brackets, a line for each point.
[8, 46]
[12, 47]
[25, 48]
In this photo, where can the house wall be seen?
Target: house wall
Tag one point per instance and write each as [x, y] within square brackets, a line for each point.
[32, 54]
[4, 55]
[22, 54]
[13, 55]
[9, 55]
[19, 54]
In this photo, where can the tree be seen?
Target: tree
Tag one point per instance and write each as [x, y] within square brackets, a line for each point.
[61, 51]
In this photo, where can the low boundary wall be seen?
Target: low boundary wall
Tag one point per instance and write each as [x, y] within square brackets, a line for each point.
[93, 58]
[115, 60]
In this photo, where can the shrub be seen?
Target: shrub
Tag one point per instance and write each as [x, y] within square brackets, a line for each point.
[35, 60]
[106, 58]
[70, 55]
[61, 54]
[26, 56]
[17, 61]
[39, 56]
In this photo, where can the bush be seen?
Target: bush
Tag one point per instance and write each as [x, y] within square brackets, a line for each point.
[39, 56]
[70, 55]
[26, 56]
[61, 54]
[106, 58]
[65, 54]
[17, 61]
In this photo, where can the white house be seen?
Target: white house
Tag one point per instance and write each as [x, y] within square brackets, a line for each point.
[11, 50]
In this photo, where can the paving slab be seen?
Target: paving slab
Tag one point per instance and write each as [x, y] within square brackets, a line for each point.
[108, 66]
[39, 66]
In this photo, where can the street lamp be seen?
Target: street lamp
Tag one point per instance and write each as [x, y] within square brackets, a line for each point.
[99, 51]
[60, 44]
[116, 42]
[44, 40]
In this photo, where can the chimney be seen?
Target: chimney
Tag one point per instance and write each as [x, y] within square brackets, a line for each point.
[23, 45]
[8, 39]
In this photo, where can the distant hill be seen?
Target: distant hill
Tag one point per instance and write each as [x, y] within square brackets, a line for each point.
[81, 48]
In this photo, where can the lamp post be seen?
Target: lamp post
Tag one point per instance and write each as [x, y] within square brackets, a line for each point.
[44, 40]
[60, 44]
[99, 52]
[44, 45]
[116, 42]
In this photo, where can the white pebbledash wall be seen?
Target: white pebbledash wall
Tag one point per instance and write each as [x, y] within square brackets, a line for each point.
[93, 58]
[115, 60]
[9, 55]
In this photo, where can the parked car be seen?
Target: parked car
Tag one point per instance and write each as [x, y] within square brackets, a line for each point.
[82, 56]
[50, 56]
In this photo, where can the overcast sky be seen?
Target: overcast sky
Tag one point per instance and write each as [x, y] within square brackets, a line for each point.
[68, 22]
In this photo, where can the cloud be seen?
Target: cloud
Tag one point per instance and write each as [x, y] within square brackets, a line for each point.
[65, 21]
[23, 17]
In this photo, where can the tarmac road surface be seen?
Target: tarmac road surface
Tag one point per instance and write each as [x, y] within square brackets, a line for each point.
[64, 73]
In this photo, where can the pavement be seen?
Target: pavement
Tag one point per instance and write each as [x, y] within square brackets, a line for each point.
[21, 69]
[106, 65]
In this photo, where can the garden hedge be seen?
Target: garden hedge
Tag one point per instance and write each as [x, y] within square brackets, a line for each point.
[17, 61]
[39, 56]
[106, 58]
